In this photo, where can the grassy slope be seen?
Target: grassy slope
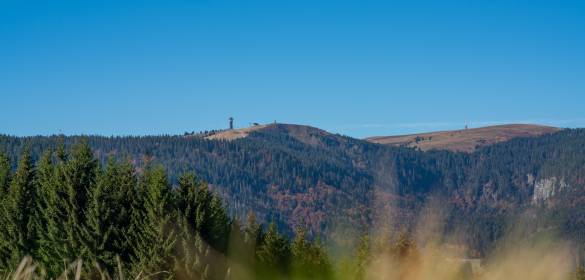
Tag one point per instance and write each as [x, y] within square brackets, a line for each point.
[466, 140]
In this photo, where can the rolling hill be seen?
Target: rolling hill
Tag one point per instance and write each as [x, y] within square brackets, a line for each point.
[338, 186]
[232, 134]
[466, 140]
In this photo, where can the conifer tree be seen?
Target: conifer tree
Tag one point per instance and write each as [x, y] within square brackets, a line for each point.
[18, 226]
[69, 207]
[80, 177]
[5, 174]
[190, 249]
[45, 174]
[77, 179]
[218, 225]
[237, 249]
[242, 248]
[253, 234]
[309, 261]
[156, 236]
[49, 215]
[210, 218]
[125, 196]
[65, 197]
[107, 215]
[274, 252]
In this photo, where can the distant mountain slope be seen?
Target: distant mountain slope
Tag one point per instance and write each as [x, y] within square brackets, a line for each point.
[338, 186]
[232, 134]
[466, 140]
[303, 133]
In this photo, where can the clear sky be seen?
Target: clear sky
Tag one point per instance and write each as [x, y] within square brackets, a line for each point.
[358, 68]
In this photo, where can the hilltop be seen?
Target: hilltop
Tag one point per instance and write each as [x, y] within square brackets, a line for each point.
[339, 186]
[302, 133]
[231, 134]
[465, 140]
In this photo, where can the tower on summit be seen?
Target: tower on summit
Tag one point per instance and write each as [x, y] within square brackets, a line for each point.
[231, 122]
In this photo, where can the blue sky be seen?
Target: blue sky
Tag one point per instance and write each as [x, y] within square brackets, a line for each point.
[358, 68]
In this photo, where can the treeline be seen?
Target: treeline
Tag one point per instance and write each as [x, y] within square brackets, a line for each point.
[291, 174]
[120, 219]
[243, 171]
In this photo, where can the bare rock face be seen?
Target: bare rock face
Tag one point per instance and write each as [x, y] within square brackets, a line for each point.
[547, 188]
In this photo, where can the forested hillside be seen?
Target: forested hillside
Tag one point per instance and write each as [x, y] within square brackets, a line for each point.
[336, 186]
[75, 216]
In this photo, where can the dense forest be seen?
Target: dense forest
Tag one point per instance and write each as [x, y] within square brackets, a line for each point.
[66, 214]
[335, 186]
[113, 222]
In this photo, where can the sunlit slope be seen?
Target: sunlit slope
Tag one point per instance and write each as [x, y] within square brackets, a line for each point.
[465, 140]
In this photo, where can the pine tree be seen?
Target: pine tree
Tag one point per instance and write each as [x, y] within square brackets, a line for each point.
[205, 229]
[309, 261]
[69, 207]
[78, 178]
[242, 248]
[107, 216]
[65, 197]
[300, 249]
[18, 237]
[125, 197]
[156, 237]
[191, 251]
[274, 252]
[5, 174]
[49, 215]
[217, 227]
[252, 231]
[237, 250]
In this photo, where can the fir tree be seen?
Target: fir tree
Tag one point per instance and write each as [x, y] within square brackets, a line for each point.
[253, 234]
[49, 215]
[156, 235]
[107, 215]
[191, 251]
[309, 261]
[65, 197]
[125, 196]
[217, 227]
[78, 178]
[18, 225]
[5, 174]
[274, 252]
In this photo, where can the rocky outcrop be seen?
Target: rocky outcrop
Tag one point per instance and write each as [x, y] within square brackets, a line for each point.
[547, 188]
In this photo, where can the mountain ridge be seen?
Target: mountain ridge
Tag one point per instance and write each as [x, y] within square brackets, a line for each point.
[302, 176]
[464, 140]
